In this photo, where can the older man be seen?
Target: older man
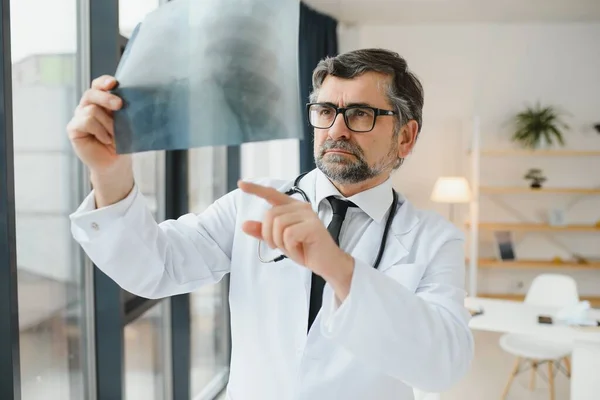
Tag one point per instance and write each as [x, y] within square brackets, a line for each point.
[340, 288]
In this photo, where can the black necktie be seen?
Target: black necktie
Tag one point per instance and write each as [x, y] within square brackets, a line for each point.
[317, 283]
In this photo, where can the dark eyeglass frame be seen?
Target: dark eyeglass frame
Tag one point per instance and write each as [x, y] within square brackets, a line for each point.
[342, 110]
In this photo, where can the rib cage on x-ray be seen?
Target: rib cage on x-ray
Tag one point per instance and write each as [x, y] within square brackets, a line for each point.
[210, 72]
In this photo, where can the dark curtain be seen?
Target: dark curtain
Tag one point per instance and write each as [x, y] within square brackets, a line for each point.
[318, 39]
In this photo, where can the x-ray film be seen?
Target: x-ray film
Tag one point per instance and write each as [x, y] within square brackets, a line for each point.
[210, 72]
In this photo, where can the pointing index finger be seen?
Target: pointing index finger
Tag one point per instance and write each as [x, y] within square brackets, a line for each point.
[271, 195]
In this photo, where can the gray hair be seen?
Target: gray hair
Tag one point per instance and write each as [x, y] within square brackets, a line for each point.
[404, 92]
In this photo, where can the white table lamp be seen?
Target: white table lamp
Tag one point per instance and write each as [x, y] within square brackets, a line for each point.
[452, 190]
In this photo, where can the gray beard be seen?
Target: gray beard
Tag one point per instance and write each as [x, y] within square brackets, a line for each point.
[341, 170]
[345, 170]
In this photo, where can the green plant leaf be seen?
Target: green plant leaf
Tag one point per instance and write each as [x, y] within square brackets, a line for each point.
[536, 123]
[558, 135]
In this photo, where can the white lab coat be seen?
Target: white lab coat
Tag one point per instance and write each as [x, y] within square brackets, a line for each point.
[403, 326]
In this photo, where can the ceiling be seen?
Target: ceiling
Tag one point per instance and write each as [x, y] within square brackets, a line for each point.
[458, 11]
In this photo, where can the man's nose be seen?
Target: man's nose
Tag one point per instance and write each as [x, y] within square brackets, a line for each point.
[339, 129]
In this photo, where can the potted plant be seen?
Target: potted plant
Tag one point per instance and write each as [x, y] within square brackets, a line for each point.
[538, 127]
[536, 177]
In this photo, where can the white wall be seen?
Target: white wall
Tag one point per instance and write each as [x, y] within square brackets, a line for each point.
[493, 70]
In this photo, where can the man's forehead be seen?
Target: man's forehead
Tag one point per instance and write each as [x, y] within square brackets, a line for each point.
[366, 88]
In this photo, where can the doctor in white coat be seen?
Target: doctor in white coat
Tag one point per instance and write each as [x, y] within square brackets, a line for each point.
[354, 294]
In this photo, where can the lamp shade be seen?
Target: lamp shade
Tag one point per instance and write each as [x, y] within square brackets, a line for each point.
[451, 189]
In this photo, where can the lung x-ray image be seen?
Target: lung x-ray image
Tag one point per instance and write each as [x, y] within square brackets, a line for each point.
[210, 72]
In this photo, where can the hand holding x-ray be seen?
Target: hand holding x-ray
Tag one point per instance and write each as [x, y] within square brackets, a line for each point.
[210, 72]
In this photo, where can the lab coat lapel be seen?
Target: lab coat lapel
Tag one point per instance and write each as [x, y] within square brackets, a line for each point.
[308, 185]
[405, 221]
[398, 240]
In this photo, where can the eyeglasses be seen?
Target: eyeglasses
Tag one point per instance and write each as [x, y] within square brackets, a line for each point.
[357, 118]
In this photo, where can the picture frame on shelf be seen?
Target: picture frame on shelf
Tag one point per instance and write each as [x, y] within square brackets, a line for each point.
[505, 247]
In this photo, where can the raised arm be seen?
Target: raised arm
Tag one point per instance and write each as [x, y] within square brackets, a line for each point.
[115, 227]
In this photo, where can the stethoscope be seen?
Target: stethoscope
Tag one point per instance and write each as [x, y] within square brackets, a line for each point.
[295, 189]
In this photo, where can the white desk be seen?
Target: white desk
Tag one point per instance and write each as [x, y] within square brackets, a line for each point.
[517, 317]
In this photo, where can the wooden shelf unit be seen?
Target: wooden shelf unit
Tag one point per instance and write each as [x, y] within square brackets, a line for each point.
[530, 227]
[544, 190]
[532, 264]
[594, 300]
[474, 227]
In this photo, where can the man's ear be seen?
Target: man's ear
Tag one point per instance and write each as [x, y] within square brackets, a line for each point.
[407, 138]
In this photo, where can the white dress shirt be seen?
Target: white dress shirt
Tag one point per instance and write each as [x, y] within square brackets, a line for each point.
[402, 326]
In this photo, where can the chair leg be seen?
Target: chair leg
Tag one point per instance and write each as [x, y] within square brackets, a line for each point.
[511, 378]
[567, 365]
[551, 379]
[534, 366]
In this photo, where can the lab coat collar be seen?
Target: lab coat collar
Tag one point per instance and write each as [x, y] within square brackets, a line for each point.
[375, 202]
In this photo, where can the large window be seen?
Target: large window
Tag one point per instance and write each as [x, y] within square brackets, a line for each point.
[209, 335]
[144, 355]
[115, 344]
[45, 93]
[145, 344]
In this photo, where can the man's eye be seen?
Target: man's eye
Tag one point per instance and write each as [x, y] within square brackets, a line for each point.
[360, 113]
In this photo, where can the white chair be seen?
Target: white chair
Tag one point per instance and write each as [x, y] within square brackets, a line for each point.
[551, 290]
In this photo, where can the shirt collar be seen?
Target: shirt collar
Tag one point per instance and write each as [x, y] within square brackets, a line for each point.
[375, 201]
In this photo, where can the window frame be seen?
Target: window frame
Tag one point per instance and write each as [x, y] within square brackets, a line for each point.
[10, 364]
